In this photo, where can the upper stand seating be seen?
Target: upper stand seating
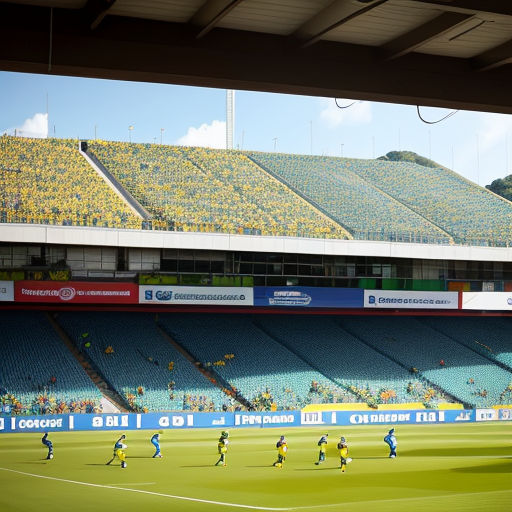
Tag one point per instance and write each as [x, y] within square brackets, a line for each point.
[47, 181]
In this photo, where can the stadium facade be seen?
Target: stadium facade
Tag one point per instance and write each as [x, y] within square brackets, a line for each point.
[141, 318]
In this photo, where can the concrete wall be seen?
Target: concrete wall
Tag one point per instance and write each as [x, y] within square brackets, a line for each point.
[104, 237]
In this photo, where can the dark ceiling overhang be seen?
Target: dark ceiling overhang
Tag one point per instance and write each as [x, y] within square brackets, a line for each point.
[89, 42]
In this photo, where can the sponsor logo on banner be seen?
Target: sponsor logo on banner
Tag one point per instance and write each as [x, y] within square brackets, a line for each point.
[1, 423]
[110, 421]
[289, 298]
[397, 299]
[486, 414]
[196, 295]
[490, 301]
[505, 414]
[463, 416]
[263, 419]
[308, 297]
[36, 423]
[6, 291]
[176, 421]
[75, 292]
[311, 418]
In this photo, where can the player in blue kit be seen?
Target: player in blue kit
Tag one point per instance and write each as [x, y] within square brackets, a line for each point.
[390, 440]
[155, 441]
[49, 445]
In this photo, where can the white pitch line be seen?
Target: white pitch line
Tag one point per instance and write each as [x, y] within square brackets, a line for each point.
[184, 498]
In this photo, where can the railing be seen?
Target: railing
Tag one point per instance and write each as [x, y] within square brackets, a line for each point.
[212, 227]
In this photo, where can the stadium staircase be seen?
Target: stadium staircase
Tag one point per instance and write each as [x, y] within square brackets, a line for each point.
[209, 374]
[131, 202]
[108, 392]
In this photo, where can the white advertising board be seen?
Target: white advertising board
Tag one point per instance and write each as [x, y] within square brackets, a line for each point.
[196, 295]
[398, 299]
[491, 301]
[6, 291]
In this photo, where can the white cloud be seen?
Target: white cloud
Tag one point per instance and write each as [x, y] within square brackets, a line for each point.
[35, 126]
[207, 135]
[359, 113]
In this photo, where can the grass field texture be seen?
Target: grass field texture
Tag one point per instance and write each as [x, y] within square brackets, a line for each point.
[439, 467]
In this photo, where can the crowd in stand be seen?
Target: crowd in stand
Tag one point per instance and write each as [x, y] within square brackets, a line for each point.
[354, 202]
[471, 214]
[46, 404]
[47, 181]
[196, 189]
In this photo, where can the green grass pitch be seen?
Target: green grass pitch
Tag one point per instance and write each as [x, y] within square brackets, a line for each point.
[439, 467]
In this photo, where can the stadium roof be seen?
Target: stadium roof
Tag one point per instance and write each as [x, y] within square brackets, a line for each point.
[451, 53]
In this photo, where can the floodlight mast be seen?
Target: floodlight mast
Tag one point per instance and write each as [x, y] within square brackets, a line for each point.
[230, 117]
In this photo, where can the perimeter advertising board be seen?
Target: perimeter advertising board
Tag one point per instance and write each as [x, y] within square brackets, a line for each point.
[6, 291]
[308, 297]
[196, 295]
[76, 292]
[490, 301]
[399, 299]
[183, 420]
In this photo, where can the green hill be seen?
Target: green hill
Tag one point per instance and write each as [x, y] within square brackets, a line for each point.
[409, 156]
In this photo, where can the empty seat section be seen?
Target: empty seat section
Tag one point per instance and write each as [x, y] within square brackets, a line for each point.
[437, 357]
[348, 361]
[261, 369]
[138, 368]
[38, 370]
[487, 335]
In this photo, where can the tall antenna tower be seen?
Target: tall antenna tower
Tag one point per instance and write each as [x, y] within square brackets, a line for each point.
[230, 118]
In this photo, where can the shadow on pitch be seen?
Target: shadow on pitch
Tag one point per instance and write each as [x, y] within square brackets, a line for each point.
[200, 466]
[503, 467]
[458, 452]
[372, 458]
[317, 468]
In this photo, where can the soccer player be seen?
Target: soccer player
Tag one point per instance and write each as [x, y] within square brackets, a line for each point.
[343, 449]
[49, 445]
[322, 443]
[155, 441]
[282, 450]
[119, 452]
[390, 440]
[222, 448]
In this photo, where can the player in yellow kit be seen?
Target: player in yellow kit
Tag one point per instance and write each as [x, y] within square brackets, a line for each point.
[282, 450]
[343, 449]
[222, 448]
[119, 452]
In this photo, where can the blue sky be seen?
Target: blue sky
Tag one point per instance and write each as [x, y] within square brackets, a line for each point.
[478, 145]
